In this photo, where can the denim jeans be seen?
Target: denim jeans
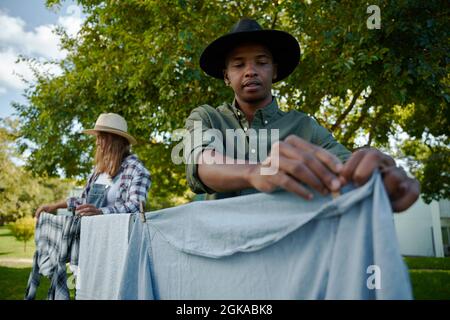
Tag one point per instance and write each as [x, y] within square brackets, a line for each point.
[269, 246]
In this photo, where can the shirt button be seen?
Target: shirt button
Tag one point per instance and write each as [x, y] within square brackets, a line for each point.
[245, 128]
[253, 150]
[265, 121]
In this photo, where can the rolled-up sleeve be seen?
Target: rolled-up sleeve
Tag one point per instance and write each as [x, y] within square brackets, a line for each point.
[197, 124]
[325, 139]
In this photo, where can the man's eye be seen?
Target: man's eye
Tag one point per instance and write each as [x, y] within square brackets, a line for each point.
[238, 65]
[262, 62]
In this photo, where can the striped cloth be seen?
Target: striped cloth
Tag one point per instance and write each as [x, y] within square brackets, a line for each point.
[57, 241]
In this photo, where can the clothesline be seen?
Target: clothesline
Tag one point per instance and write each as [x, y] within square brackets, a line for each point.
[261, 246]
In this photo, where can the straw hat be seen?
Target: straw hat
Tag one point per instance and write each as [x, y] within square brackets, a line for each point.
[112, 123]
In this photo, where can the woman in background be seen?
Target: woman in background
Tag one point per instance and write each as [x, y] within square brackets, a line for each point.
[119, 182]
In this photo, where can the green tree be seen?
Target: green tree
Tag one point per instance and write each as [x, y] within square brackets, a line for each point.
[21, 192]
[23, 230]
[139, 58]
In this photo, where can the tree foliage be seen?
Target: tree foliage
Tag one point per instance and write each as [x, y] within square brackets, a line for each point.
[21, 192]
[23, 230]
[139, 58]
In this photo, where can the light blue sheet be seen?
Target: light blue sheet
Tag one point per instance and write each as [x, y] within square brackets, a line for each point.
[103, 250]
[269, 246]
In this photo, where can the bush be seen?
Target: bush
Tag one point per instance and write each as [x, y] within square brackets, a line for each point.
[23, 229]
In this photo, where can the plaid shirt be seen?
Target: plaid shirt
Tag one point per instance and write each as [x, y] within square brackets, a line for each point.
[57, 241]
[134, 184]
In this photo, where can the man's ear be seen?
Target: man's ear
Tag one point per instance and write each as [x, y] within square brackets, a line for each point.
[275, 71]
[225, 77]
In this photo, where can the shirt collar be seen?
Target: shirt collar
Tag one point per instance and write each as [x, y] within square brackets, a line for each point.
[267, 112]
[128, 159]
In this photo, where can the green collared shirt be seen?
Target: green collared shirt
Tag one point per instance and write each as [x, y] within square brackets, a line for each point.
[229, 116]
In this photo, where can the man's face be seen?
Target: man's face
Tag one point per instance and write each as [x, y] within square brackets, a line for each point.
[250, 71]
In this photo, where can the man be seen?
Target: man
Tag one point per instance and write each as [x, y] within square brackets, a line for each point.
[249, 59]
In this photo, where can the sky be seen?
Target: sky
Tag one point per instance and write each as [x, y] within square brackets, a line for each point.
[26, 29]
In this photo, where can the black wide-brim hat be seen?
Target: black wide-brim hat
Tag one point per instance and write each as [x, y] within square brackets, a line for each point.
[283, 46]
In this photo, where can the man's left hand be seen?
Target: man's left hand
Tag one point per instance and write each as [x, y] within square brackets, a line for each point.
[87, 210]
[402, 190]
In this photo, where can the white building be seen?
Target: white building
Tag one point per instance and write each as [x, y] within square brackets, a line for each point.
[424, 229]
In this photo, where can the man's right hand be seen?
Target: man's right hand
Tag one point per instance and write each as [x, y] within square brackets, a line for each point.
[45, 208]
[299, 162]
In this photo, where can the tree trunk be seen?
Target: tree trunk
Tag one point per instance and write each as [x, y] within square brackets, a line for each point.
[356, 125]
[274, 20]
[374, 125]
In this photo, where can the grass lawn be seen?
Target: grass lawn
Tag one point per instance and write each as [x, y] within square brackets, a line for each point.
[430, 277]
[427, 263]
[430, 284]
[11, 248]
[15, 268]
[13, 282]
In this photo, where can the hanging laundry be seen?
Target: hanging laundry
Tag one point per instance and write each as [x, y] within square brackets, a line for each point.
[269, 246]
[57, 241]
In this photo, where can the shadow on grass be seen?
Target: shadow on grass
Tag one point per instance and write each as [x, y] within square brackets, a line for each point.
[9, 234]
[13, 282]
[430, 284]
[5, 252]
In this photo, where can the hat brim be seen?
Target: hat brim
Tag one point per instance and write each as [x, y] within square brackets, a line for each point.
[283, 46]
[127, 136]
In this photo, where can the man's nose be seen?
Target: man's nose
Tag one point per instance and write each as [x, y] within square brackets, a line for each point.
[250, 70]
